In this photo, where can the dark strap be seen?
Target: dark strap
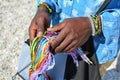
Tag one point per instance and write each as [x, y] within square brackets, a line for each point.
[103, 6]
[27, 42]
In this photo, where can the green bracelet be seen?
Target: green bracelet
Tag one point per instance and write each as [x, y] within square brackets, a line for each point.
[46, 5]
[97, 23]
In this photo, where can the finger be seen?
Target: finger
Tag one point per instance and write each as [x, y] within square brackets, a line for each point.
[69, 47]
[41, 26]
[63, 45]
[32, 34]
[32, 30]
[73, 48]
[57, 41]
[57, 27]
[40, 30]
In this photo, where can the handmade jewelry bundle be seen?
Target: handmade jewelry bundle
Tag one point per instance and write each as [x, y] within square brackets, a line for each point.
[43, 59]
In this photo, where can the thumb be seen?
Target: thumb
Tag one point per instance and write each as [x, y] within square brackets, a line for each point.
[40, 30]
[32, 30]
[56, 28]
[41, 26]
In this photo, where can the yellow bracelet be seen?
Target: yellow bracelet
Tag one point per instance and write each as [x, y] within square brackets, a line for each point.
[46, 5]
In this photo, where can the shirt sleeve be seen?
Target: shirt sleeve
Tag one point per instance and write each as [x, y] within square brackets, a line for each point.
[110, 39]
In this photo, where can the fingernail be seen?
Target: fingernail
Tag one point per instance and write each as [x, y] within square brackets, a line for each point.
[48, 29]
[39, 34]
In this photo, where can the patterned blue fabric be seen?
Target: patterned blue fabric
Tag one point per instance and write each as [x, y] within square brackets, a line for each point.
[107, 43]
[114, 4]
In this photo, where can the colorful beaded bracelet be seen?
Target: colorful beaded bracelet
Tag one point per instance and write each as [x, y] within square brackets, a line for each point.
[46, 5]
[97, 23]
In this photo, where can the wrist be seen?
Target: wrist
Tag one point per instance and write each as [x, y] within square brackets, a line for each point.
[42, 9]
[45, 7]
[89, 25]
[92, 25]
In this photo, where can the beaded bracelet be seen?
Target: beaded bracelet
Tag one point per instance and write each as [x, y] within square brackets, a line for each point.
[97, 23]
[46, 5]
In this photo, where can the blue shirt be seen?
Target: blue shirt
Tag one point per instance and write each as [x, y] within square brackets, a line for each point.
[107, 43]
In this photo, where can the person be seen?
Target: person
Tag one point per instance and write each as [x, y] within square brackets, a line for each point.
[78, 26]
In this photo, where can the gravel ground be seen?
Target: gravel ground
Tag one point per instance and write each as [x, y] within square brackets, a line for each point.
[15, 17]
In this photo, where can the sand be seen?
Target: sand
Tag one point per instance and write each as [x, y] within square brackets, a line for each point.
[15, 17]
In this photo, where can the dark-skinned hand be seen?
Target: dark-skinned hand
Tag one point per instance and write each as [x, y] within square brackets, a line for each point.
[73, 33]
[40, 23]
